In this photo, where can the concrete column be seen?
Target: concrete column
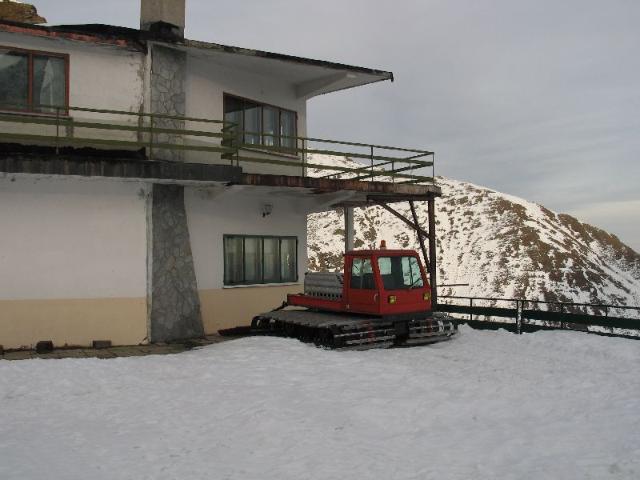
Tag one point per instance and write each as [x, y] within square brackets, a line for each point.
[174, 312]
[349, 229]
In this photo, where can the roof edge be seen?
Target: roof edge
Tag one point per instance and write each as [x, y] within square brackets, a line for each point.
[99, 34]
[133, 38]
[287, 58]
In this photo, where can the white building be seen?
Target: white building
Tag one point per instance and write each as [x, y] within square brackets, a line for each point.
[155, 188]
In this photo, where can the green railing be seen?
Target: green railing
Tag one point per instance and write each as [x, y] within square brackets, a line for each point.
[203, 140]
[523, 315]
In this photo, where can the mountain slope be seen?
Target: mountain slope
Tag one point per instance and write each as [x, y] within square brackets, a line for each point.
[501, 245]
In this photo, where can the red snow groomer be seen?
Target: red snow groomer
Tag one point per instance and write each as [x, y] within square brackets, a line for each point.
[381, 300]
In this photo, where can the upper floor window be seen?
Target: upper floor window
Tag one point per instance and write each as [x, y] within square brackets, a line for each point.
[33, 81]
[261, 124]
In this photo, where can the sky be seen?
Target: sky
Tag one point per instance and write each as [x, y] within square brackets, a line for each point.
[535, 98]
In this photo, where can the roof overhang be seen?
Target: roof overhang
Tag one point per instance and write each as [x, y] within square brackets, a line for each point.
[309, 77]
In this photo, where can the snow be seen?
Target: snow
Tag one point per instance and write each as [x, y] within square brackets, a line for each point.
[486, 405]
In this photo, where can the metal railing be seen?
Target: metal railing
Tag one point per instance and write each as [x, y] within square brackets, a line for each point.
[524, 315]
[205, 140]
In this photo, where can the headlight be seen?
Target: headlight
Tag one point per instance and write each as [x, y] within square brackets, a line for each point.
[392, 299]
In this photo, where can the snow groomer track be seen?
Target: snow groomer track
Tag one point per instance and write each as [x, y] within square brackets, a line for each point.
[340, 331]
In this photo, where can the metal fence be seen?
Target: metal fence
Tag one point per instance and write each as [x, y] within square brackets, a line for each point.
[523, 315]
[206, 140]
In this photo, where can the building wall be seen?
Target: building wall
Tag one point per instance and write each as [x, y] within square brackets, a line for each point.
[206, 84]
[72, 261]
[212, 213]
[74, 267]
[115, 78]
[101, 77]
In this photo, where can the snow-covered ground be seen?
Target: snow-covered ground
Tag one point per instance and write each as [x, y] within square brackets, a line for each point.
[487, 405]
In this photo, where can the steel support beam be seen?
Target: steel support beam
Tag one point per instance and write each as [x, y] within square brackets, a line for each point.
[433, 269]
[415, 226]
[427, 260]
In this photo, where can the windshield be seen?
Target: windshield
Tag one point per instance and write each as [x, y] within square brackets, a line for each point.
[400, 273]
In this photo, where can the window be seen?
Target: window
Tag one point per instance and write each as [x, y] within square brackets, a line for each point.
[259, 124]
[362, 274]
[33, 81]
[250, 260]
[400, 273]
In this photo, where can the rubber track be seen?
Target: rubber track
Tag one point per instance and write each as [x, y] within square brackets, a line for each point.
[345, 332]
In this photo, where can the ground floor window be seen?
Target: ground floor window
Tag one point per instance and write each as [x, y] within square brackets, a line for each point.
[33, 81]
[253, 259]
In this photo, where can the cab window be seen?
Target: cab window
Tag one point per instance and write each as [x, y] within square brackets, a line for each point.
[399, 273]
[362, 274]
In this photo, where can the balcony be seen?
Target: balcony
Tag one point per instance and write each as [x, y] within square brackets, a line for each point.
[189, 144]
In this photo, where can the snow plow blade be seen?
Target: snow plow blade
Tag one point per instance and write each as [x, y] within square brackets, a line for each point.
[347, 332]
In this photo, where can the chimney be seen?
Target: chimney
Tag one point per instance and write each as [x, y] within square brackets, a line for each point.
[164, 18]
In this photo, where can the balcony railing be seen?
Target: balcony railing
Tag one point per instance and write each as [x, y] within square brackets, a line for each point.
[201, 140]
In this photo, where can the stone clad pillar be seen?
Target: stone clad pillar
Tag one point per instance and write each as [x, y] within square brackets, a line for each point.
[173, 297]
[168, 74]
[174, 304]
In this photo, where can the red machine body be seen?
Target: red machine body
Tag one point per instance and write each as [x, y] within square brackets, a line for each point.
[385, 283]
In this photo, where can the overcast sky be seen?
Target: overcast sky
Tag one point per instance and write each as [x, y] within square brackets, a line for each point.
[536, 98]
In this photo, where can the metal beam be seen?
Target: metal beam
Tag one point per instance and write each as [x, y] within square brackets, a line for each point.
[433, 269]
[421, 233]
[427, 260]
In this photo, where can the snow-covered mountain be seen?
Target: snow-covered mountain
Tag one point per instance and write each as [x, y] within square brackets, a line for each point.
[501, 245]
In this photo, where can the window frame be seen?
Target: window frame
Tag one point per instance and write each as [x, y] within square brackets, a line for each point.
[64, 110]
[225, 281]
[277, 139]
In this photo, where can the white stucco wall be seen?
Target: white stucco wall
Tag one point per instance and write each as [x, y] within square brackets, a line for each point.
[72, 238]
[101, 77]
[72, 261]
[206, 84]
[212, 213]
[116, 78]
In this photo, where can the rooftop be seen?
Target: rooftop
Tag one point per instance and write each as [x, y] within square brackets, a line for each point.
[311, 76]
